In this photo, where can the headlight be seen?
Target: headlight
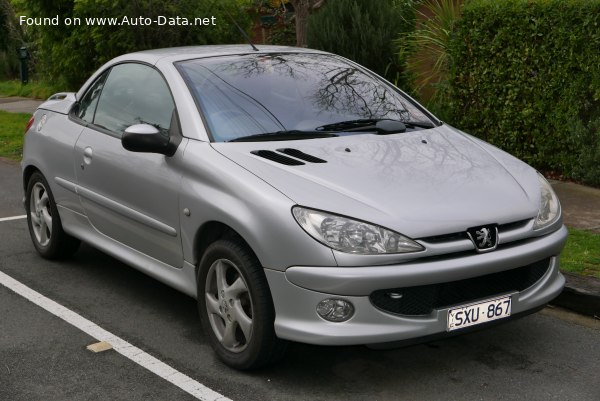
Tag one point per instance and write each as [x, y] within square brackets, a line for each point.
[352, 236]
[549, 206]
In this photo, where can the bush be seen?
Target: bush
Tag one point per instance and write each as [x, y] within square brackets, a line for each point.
[526, 77]
[364, 31]
[69, 54]
[586, 166]
[10, 41]
[425, 49]
[275, 19]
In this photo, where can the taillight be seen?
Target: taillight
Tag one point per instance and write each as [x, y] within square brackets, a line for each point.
[29, 124]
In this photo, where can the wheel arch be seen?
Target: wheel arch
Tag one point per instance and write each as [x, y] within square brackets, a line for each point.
[27, 173]
[212, 231]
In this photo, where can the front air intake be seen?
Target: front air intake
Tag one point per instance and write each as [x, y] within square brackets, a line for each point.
[423, 299]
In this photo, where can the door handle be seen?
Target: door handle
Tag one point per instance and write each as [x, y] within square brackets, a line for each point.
[87, 157]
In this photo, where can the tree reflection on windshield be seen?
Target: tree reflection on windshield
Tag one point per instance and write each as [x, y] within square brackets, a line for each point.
[253, 94]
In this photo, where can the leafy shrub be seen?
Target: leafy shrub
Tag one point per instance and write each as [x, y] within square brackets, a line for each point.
[10, 41]
[364, 31]
[276, 20]
[426, 49]
[526, 77]
[586, 166]
[69, 54]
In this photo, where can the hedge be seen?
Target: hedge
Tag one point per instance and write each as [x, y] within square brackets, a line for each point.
[525, 76]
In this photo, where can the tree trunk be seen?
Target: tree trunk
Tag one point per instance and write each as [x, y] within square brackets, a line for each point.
[302, 9]
[301, 22]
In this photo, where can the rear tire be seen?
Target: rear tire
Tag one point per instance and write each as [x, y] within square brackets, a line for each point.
[45, 227]
[236, 308]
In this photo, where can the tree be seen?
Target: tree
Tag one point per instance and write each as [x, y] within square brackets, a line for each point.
[69, 54]
[10, 40]
[364, 31]
[302, 9]
[7, 25]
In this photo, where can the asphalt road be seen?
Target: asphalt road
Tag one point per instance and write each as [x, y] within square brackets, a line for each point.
[540, 357]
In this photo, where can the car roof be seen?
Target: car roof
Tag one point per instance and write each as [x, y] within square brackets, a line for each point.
[174, 54]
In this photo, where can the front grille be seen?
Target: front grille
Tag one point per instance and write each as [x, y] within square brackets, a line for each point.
[502, 228]
[440, 239]
[513, 226]
[422, 300]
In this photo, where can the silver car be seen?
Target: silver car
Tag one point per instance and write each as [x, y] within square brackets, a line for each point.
[295, 194]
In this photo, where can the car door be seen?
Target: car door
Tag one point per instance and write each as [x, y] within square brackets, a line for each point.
[127, 196]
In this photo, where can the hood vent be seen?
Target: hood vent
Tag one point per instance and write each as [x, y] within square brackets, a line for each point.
[301, 155]
[277, 157]
[295, 154]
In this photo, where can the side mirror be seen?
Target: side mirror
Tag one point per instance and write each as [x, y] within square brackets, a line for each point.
[147, 139]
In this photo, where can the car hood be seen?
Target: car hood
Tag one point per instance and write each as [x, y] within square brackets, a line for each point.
[420, 183]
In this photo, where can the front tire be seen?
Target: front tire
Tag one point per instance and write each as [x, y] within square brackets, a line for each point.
[45, 227]
[235, 306]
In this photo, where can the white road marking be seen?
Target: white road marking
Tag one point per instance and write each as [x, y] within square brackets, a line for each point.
[24, 216]
[124, 348]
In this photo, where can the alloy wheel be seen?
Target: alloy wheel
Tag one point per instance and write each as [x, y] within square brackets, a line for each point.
[229, 305]
[41, 214]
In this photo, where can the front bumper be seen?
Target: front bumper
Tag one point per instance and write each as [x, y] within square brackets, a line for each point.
[297, 292]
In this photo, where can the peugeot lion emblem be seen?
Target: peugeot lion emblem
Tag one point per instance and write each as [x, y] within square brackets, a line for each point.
[485, 238]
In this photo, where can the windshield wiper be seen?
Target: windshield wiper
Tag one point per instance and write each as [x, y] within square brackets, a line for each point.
[382, 125]
[420, 124]
[284, 136]
[349, 125]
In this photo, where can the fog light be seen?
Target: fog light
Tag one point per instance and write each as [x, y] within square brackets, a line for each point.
[335, 310]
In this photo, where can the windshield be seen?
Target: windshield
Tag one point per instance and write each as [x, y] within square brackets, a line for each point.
[248, 95]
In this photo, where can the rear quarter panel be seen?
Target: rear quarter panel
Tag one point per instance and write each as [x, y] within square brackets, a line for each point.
[49, 146]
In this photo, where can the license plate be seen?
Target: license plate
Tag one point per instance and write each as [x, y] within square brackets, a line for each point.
[478, 313]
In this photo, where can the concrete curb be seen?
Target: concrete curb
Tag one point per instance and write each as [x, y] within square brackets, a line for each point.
[581, 295]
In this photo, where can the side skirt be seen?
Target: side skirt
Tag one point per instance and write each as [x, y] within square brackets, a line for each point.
[182, 279]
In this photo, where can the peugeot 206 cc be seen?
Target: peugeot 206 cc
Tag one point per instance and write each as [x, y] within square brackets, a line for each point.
[295, 194]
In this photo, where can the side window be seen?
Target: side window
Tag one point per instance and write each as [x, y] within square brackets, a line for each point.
[87, 105]
[134, 94]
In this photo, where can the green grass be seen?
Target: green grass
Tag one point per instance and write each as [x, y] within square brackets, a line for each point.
[12, 129]
[34, 89]
[582, 253]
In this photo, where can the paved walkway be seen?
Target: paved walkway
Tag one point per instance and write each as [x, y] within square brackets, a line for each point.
[19, 104]
[580, 204]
